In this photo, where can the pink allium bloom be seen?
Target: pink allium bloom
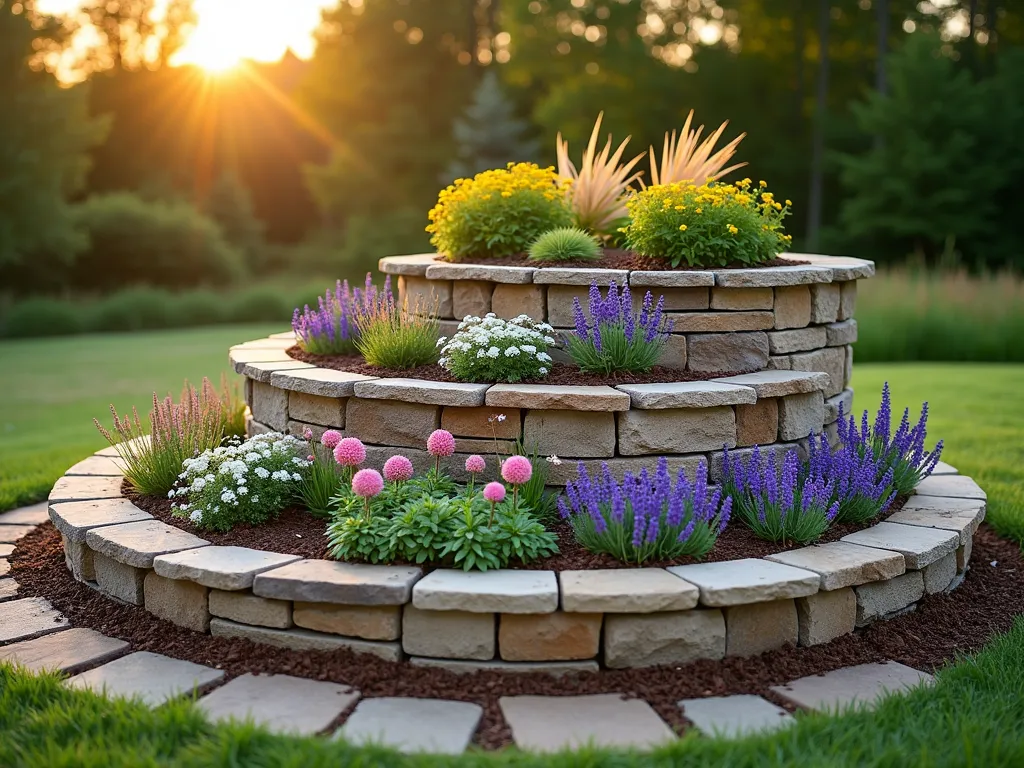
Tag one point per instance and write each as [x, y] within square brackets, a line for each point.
[517, 470]
[330, 438]
[441, 443]
[475, 463]
[367, 483]
[398, 469]
[494, 492]
[350, 452]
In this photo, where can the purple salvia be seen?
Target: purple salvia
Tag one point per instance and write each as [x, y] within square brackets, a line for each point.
[563, 509]
[687, 532]
[580, 320]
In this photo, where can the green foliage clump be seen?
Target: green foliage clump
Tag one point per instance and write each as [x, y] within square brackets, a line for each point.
[43, 317]
[491, 349]
[565, 244]
[498, 212]
[712, 225]
[396, 337]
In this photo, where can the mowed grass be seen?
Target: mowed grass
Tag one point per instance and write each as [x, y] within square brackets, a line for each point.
[51, 389]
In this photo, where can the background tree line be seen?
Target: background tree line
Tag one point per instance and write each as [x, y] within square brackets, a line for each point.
[893, 126]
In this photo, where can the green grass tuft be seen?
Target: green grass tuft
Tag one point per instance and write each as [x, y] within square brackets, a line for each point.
[565, 244]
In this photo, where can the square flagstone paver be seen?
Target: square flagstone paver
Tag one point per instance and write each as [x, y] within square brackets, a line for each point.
[960, 515]
[8, 589]
[863, 684]
[552, 723]
[841, 564]
[687, 394]
[423, 391]
[98, 466]
[318, 381]
[11, 533]
[5, 566]
[67, 651]
[74, 518]
[83, 488]
[919, 546]
[942, 468]
[228, 568]
[500, 591]
[323, 581]
[734, 716]
[6, 550]
[137, 544]
[954, 486]
[33, 515]
[641, 590]
[280, 703]
[779, 383]
[555, 397]
[737, 582]
[261, 372]
[27, 618]
[413, 725]
[151, 677]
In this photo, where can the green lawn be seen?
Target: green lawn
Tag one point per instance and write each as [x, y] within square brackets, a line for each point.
[973, 717]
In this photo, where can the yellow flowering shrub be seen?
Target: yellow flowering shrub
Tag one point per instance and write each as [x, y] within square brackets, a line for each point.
[498, 212]
[712, 225]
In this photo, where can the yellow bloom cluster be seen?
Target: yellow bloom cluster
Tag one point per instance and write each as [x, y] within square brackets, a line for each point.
[504, 182]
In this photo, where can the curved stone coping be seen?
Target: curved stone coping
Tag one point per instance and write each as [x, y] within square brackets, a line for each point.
[527, 620]
[819, 269]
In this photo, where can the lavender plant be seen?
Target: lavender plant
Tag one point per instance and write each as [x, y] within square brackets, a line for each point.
[331, 328]
[779, 506]
[618, 338]
[862, 483]
[903, 451]
[645, 518]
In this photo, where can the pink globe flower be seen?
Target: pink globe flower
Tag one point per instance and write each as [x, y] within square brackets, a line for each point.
[330, 439]
[441, 443]
[367, 483]
[350, 452]
[517, 470]
[494, 492]
[398, 469]
[475, 464]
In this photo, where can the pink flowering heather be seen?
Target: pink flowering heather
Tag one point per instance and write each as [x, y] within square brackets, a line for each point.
[494, 492]
[367, 482]
[475, 464]
[307, 433]
[398, 469]
[330, 439]
[441, 443]
[517, 470]
[350, 452]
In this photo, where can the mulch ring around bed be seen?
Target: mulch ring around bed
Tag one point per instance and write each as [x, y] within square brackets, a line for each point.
[943, 625]
[615, 258]
[297, 532]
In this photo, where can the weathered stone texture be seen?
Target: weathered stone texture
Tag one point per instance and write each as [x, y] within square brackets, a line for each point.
[634, 590]
[184, 603]
[721, 322]
[682, 430]
[247, 608]
[119, 580]
[270, 405]
[391, 422]
[797, 340]
[471, 297]
[573, 434]
[326, 411]
[740, 299]
[757, 424]
[880, 599]
[939, 575]
[801, 415]
[448, 634]
[724, 352]
[677, 637]
[826, 615]
[792, 306]
[838, 334]
[759, 627]
[549, 636]
[510, 301]
[370, 622]
[825, 302]
[473, 422]
[416, 294]
[847, 300]
[831, 360]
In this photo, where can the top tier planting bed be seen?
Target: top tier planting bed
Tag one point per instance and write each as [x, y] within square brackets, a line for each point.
[797, 317]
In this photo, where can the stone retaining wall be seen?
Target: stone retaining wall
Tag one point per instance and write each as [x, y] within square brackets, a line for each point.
[786, 317]
[510, 619]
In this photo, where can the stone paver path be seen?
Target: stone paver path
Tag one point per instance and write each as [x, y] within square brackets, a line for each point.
[5, 566]
[27, 618]
[11, 533]
[8, 589]
[734, 716]
[862, 684]
[68, 651]
[413, 725]
[33, 515]
[150, 676]
[280, 703]
[552, 723]
[6, 550]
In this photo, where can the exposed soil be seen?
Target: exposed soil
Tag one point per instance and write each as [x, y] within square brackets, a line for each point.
[944, 625]
[615, 258]
[561, 373]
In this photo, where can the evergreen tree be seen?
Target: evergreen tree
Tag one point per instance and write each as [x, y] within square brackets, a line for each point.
[230, 205]
[489, 135]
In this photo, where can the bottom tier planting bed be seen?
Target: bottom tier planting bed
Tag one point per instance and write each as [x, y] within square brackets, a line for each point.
[518, 620]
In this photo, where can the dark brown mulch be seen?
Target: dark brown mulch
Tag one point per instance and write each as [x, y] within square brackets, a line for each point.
[943, 626]
[561, 373]
[615, 258]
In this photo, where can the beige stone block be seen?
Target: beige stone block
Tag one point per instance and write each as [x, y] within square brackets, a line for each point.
[79, 559]
[510, 301]
[847, 299]
[184, 603]
[757, 424]
[676, 299]
[939, 575]
[247, 608]
[672, 637]
[882, 598]
[721, 322]
[313, 409]
[831, 361]
[473, 422]
[370, 622]
[673, 354]
[759, 627]
[739, 299]
[676, 430]
[779, 363]
[792, 306]
[391, 422]
[418, 294]
[549, 636]
[471, 297]
[797, 340]
[824, 302]
[572, 434]
[125, 582]
[559, 304]
[270, 406]
[448, 634]
[801, 415]
[826, 615]
[726, 352]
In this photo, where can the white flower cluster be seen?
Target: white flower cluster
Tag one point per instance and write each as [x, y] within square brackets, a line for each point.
[491, 349]
[241, 482]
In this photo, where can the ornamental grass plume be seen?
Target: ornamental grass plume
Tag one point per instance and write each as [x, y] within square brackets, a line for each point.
[331, 328]
[398, 337]
[321, 482]
[779, 505]
[645, 518]
[687, 159]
